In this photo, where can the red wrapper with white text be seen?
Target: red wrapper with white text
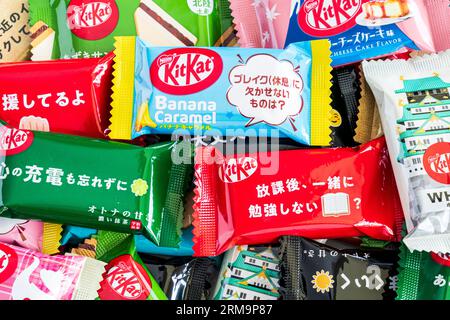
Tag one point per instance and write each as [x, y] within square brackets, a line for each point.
[61, 96]
[315, 193]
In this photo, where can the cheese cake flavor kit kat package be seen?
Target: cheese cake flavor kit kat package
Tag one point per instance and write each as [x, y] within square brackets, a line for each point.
[126, 277]
[413, 100]
[30, 234]
[222, 91]
[339, 269]
[29, 275]
[86, 28]
[363, 29]
[423, 275]
[254, 198]
[93, 183]
[61, 96]
[15, 35]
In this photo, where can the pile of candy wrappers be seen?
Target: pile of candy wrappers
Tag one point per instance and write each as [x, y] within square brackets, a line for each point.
[224, 149]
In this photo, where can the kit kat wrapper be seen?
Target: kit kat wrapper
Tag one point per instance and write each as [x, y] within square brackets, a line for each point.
[15, 32]
[31, 275]
[61, 96]
[315, 193]
[413, 100]
[94, 183]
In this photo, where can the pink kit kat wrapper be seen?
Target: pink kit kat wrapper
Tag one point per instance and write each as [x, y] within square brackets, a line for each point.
[439, 11]
[29, 275]
[261, 23]
[23, 233]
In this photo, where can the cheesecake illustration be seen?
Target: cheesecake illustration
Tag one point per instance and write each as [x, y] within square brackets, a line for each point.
[385, 9]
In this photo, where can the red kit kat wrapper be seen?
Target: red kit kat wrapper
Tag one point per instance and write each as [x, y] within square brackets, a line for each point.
[61, 96]
[314, 193]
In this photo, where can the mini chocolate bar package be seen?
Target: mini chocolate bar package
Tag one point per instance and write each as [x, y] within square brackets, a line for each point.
[184, 278]
[336, 270]
[87, 28]
[249, 273]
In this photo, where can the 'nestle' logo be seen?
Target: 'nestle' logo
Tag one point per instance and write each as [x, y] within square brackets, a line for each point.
[311, 5]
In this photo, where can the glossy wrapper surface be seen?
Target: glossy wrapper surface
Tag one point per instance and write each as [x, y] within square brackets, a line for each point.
[318, 193]
[93, 183]
[64, 96]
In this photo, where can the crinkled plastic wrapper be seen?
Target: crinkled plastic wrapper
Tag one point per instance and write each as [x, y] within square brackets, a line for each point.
[254, 198]
[414, 103]
[87, 28]
[336, 270]
[222, 91]
[30, 275]
[364, 29]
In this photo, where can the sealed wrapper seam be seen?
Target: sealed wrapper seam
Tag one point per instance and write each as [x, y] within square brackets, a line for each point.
[51, 238]
[123, 88]
[173, 210]
[89, 280]
[408, 274]
[205, 205]
[320, 93]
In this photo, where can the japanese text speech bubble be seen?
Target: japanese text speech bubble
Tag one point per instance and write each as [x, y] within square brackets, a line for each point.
[265, 89]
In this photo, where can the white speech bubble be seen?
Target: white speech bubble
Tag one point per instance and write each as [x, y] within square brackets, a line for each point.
[264, 78]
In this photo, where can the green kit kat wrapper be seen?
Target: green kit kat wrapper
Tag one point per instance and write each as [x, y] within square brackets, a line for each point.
[423, 275]
[86, 28]
[94, 183]
[126, 277]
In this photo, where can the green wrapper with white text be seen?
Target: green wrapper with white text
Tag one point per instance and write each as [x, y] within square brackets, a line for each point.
[423, 275]
[93, 183]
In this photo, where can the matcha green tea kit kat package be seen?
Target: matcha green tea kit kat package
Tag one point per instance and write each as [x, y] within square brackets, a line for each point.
[86, 28]
[126, 277]
[93, 183]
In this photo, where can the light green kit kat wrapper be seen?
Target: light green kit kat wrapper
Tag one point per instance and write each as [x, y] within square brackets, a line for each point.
[87, 28]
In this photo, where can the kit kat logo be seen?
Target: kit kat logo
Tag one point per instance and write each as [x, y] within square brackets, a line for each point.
[442, 259]
[184, 71]
[436, 162]
[125, 279]
[8, 262]
[325, 18]
[14, 141]
[92, 19]
[235, 170]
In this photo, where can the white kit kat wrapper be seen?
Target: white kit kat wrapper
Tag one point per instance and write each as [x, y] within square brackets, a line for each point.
[89, 280]
[414, 103]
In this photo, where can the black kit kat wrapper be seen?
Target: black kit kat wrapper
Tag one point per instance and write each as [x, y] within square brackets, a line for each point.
[184, 278]
[337, 270]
